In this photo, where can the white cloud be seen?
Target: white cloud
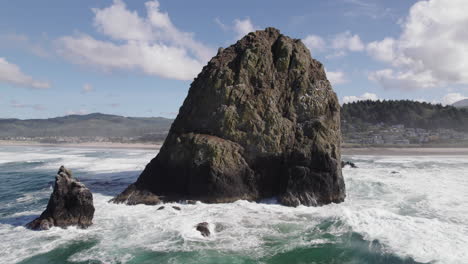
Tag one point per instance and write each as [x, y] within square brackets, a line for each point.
[314, 43]
[119, 23]
[37, 107]
[347, 41]
[336, 54]
[12, 74]
[223, 26]
[403, 80]
[336, 46]
[363, 97]
[431, 51]
[336, 77]
[78, 112]
[240, 27]
[243, 27]
[451, 98]
[159, 60]
[382, 50]
[369, 8]
[151, 44]
[87, 88]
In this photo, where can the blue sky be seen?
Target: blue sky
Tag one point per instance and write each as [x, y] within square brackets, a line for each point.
[137, 58]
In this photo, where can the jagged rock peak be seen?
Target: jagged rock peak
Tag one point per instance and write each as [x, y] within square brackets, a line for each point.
[260, 120]
[70, 203]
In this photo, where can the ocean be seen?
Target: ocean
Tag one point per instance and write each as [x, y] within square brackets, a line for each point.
[399, 209]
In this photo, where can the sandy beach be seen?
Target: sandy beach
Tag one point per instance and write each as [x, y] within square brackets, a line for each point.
[404, 151]
[104, 145]
[414, 151]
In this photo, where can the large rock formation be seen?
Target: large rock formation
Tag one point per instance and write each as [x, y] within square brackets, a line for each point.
[71, 203]
[260, 120]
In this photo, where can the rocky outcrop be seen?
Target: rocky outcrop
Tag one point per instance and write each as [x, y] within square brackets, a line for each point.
[70, 203]
[260, 120]
[203, 229]
[348, 163]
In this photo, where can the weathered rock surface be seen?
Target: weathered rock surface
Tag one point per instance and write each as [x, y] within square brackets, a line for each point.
[260, 120]
[203, 229]
[70, 203]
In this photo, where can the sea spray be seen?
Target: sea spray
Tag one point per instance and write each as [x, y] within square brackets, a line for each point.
[399, 210]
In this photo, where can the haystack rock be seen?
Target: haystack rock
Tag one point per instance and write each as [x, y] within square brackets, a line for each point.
[261, 120]
[71, 203]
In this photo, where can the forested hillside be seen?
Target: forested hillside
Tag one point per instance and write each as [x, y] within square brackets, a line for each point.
[92, 125]
[408, 113]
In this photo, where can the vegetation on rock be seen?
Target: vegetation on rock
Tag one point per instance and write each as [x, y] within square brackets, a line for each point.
[260, 120]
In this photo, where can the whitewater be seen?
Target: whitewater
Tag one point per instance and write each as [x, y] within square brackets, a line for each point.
[399, 209]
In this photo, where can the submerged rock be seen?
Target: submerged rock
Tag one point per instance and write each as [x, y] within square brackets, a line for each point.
[70, 203]
[203, 229]
[260, 120]
[348, 163]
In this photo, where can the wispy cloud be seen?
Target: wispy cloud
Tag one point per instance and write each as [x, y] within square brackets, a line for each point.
[12, 74]
[168, 113]
[240, 27]
[77, 112]
[363, 97]
[336, 77]
[14, 41]
[369, 8]
[334, 46]
[451, 98]
[37, 107]
[87, 88]
[223, 26]
[243, 27]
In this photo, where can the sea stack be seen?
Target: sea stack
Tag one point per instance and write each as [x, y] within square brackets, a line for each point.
[71, 203]
[261, 120]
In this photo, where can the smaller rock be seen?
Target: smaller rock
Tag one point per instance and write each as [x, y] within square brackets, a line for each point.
[133, 196]
[394, 172]
[203, 229]
[160, 208]
[70, 203]
[176, 208]
[191, 202]
[348, 163]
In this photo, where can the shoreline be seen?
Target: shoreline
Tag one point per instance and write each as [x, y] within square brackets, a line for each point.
[99, 145]
[384, 151]
[389, 151]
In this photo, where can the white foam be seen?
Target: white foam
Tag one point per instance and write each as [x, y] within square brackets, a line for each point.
[415, 212]
[97, 160]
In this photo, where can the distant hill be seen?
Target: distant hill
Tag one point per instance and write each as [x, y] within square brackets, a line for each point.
[409, 113]
[461, 104]
[91, 125]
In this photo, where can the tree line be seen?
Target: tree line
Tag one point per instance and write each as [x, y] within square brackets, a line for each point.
[409, 113]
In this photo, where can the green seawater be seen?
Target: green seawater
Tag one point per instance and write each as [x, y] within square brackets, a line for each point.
[398, 210]
[356, 251]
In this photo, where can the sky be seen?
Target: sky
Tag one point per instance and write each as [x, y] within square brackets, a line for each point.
[138, 57]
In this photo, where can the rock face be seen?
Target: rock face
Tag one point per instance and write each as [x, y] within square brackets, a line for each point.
[260, 120]
[203, 229]
[71, 203]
